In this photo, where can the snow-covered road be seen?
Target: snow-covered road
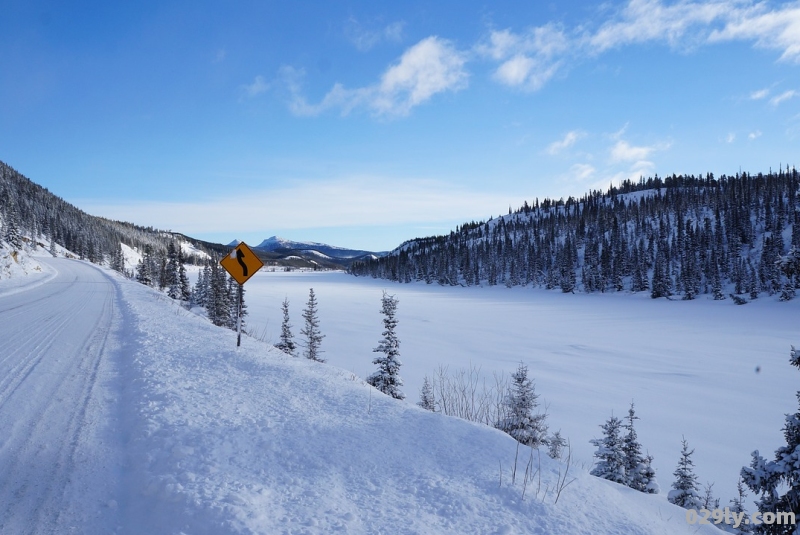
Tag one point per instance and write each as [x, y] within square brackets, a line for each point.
[57, 348]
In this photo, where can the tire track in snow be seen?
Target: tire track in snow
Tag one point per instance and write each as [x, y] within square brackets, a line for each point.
[60, 341]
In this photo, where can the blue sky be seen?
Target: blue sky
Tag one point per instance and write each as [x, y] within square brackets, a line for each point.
[362, 124]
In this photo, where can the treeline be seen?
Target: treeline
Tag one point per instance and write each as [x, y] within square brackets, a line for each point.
[682, 235]
[27, 209]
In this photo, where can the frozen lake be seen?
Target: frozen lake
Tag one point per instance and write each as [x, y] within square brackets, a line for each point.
[690, 367]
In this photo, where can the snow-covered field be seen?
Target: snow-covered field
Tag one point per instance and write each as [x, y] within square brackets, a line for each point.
[124, 413]
[690, 367]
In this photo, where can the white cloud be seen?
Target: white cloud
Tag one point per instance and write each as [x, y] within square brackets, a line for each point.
[625, 152]
[220, 55]
[258, 86]
[364, 39]
[644, 21]
[528, 60]
[731, 137]
[760, 94]
[582, 172]
[777, 29]
[430, 67]
[754, 135]
[786, 95]
[358, 201]
[569, 139]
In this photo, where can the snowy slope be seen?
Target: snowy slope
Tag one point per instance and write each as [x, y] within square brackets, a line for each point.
[175, 430]
[15, 263]
[251, 441]
[690, 366]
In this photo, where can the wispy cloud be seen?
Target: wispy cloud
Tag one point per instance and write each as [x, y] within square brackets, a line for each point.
[772, 29]
[642, 21]
[258, 86]
[786, 95]
[581, 172]
[364, 38]
[429, 67]
[356, 201]
[754, 135]
[730, 138]
[569, 140]
[623, 151]
[527, 60]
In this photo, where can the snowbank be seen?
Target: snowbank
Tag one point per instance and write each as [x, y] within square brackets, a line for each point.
[19, 270]
[249, 440]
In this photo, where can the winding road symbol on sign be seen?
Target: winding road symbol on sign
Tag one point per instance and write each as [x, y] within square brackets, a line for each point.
[241, 263]
[240, 259]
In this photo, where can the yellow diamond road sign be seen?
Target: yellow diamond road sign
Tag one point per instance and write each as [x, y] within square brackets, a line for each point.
[241, 263]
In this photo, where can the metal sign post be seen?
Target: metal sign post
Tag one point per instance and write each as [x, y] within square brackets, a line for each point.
[239, 318]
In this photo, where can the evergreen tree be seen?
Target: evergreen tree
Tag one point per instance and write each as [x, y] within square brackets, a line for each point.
[610, 457]
[11, 232]
[201, 287]
[118, 260]
[648, 476]
[311, 332]
[639, 473]
[144, 272]
[218, 303]
[555, 445]
[427, 399]
[286, 343]
[777, 483]
[519, 420]
[737, 508]
[387, 377]
[183, 279]
[684, 491]
[172, 282]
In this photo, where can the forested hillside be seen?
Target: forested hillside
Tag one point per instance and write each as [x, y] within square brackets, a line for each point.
[681, 235]
[27, 209]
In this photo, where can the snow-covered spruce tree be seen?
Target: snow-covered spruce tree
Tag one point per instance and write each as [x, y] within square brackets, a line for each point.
[684, 491]
[286, 343]
[218, 305]
[639, 473]
[172, 281]
[709, 501]
[11, 230]
[555, 445]
[143, 273]
[427, 399]
[648, 476]
[387, 377]
[201, 287]
[610, 457]
[737, 508]
[183, 280]
[117, 261]
[311, 332]
[777, 483]
[518, 419]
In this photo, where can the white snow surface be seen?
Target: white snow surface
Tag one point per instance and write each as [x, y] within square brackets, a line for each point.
[689, 366]
[18, 264]
[124, 413]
